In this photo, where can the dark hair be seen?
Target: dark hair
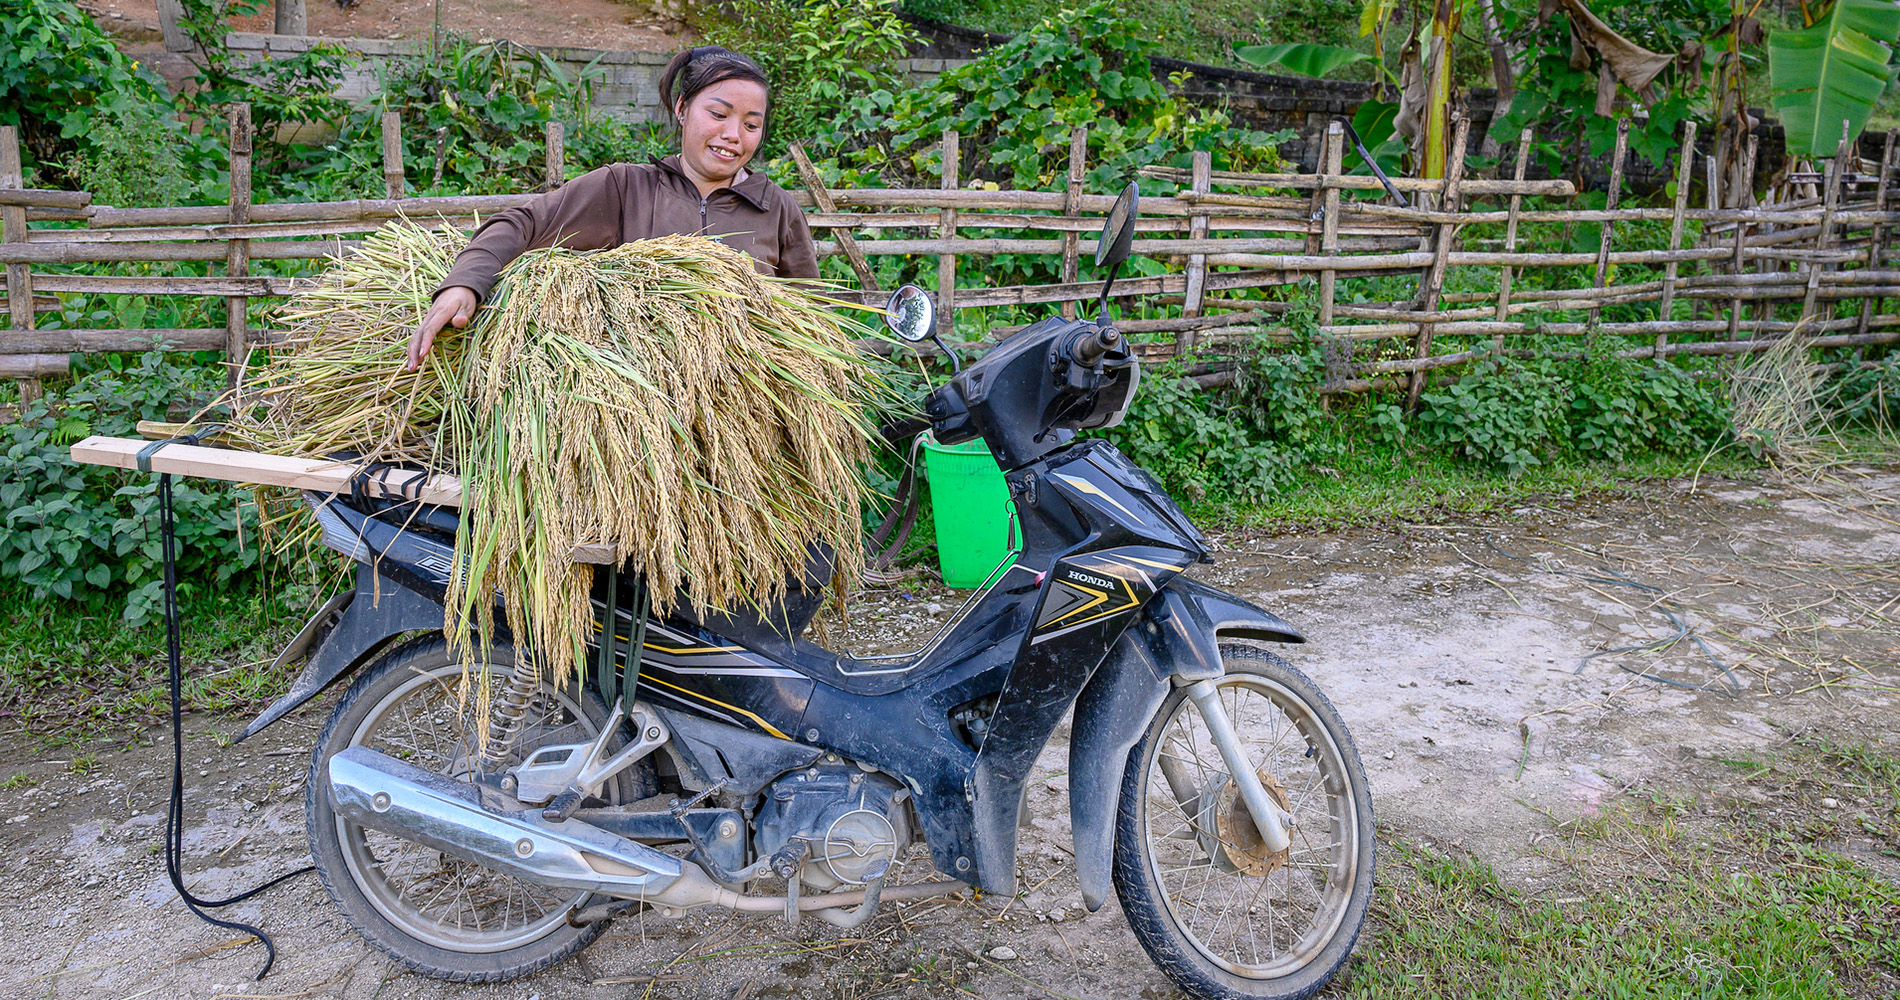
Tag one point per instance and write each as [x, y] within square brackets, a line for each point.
[702, 66]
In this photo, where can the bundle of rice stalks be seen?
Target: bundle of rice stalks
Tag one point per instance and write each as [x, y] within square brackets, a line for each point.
[1777, 402]
[662, 398]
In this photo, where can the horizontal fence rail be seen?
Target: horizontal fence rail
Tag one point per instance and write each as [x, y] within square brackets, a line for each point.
[1756, 273]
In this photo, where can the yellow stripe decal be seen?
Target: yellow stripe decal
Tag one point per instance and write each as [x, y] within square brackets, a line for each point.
[768, 727]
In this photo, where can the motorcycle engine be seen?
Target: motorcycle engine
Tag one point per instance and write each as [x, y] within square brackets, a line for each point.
[850, 818]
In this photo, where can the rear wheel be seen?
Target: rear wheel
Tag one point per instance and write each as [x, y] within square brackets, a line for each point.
[439, 915]
[1222, 916]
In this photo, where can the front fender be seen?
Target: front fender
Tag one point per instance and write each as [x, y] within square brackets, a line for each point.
[378, 610]
[1176, 640]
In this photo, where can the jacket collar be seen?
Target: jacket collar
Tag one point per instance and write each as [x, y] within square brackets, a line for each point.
[751, 190]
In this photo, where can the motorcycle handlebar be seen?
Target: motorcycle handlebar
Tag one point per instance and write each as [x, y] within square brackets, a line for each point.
[1089, 349]
[899, 431]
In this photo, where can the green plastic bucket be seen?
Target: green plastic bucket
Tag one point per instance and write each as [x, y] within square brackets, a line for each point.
[970, 501]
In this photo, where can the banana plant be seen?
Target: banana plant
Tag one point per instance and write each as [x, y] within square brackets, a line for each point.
[1832, 71]
[1301, 58]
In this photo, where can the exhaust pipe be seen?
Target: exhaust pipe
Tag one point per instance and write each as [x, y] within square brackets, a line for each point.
[383, 793]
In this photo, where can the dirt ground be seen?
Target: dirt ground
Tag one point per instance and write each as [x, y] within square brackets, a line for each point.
[1482, 664]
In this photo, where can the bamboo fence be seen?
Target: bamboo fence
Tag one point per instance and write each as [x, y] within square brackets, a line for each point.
[1755, 273]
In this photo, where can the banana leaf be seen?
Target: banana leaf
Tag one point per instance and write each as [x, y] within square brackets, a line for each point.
[1832, 72]
[1301, 58]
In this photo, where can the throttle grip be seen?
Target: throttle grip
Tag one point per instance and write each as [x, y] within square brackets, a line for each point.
[1088, 350]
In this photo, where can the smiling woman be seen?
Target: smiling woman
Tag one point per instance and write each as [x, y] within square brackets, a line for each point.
[722, 103]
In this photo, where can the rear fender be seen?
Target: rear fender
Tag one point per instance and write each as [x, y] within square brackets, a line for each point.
[380, 609]
[1176, 641]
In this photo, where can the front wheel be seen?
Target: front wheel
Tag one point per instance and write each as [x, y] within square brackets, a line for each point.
[1219, 914]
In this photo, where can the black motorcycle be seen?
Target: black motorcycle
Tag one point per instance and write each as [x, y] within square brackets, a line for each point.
[727, 761]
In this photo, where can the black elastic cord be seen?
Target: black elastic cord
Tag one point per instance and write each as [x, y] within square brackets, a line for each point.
[175, 813]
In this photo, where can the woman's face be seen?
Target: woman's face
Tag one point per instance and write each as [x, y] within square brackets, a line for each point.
[720, 128]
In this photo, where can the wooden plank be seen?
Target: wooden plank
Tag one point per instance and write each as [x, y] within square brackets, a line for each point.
[1071, 204]
[19, 278]
[1434, 282]
[1607, 232]
[1743, 199]
[264, 470]
[92, 253]
[1685, 160]
[25, 197]
[556, 162]
[237, 263]
[112, 284]
[1300, 182]
[30, 368]
[90, 341]
[947, 229]
[392, 155]
[309, 211]
[867, 280]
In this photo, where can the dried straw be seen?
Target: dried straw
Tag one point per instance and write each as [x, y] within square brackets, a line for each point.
[663, 398]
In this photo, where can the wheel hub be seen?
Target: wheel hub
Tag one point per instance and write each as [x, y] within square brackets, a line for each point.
[1240, 839]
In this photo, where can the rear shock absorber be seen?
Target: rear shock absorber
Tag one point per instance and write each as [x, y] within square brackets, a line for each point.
[510, 708]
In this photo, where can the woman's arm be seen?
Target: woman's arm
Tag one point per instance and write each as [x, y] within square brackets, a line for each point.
[583, 214]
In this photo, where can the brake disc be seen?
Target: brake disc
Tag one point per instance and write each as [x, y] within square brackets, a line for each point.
[1240, 840]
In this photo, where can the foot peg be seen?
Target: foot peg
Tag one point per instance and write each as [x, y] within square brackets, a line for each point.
[562, 776]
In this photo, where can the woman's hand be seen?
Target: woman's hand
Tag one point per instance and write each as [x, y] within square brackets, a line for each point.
[454, 306]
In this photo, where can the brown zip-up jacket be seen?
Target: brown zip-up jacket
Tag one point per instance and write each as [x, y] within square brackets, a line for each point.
[623, 202]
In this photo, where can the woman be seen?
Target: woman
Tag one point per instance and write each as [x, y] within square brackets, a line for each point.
[721, 102]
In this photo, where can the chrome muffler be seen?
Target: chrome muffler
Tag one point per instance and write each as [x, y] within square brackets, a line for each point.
[383, 793]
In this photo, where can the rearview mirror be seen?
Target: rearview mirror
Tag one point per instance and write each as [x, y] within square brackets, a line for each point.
[1118, 230]
[910, 314]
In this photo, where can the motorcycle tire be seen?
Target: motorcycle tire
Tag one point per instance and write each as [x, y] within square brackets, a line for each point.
[434, 914]
[1224, 919]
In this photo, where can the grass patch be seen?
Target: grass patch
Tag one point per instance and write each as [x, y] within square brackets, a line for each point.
[68, 672]
[1663, 895]
[1384, 483]
[1815, 925]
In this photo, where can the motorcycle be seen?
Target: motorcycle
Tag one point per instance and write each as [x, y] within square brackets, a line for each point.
[728, 761]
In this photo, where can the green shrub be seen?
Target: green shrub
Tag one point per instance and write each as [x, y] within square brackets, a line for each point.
[820, 56]
[58, 73]
[1869, 394]
[1502, 412]
[1014, 107]
[137, 155]
[90, 533]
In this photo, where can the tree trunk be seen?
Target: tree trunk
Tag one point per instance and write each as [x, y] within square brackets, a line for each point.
[290, 18]
[171, 14]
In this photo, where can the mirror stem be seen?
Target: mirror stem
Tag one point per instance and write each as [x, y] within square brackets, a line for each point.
[956, 365]
[1101, 306]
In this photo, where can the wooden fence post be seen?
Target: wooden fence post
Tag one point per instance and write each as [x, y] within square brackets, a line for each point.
[556, 133]
[947, 230]
[1871, 304]
[1505, 275]
[1684, 163]
[1434, 280]
[237, 258]
[1072, 207]
[1743, 197]
[1830, 203]
[392, 155]
[822, 197]
[19, 276]
[1332, 161]
[1616, 188]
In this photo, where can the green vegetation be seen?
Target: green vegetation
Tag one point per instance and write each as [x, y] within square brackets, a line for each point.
[1663, 895]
